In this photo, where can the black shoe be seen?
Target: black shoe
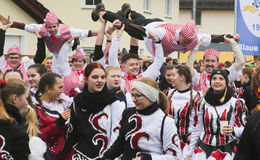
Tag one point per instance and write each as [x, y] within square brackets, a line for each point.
[95, 13]
[125, 10]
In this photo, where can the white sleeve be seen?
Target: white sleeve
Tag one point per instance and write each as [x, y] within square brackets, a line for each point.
[117, 109]
[239, 58]
[159, 31]
[82, 34]
[153, 71]
[196, 132]
[29, 63]
[190, 63]
[33, 27]
[171, 142]
[102, 61]
[2, 61]
[113, 52]
[233, 74]
[205, 39]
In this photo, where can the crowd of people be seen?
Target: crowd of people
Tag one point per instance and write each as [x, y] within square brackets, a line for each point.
[114, 107]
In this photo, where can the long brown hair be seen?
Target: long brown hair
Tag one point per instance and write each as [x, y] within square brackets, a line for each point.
[255, 81]
[163, 100]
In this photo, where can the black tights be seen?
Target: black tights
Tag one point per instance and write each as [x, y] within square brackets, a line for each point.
[133, 27]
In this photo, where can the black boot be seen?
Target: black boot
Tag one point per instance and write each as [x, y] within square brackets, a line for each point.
[95, 13]
[125, 10]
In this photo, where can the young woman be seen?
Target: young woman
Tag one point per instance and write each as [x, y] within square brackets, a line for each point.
[165, 83]
[146, 131]
[95, 117]
[53, 111]
[14, 139]
[252, 93]
[221, 120]
[35, 73]
[182, 100]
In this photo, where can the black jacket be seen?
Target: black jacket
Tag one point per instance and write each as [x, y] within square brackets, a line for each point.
[13, 140]
[249, 144]
[18, 133]
[250, 99]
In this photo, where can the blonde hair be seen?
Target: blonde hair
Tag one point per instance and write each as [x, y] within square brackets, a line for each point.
[19, 87]
[163, 100]
[31, 121]
[109, 68]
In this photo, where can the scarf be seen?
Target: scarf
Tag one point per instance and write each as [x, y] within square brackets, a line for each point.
[214, 98]
[95, 102]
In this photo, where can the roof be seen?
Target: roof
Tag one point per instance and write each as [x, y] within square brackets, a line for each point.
[208, 4]
[33, 8]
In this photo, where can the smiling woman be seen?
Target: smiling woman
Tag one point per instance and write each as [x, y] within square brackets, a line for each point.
[95, 117]
[221, 120]
[142, 125]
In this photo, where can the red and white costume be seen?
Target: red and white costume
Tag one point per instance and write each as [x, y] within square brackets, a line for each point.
[214, 145]
[169, 35]
[185, 119]
[75, 78]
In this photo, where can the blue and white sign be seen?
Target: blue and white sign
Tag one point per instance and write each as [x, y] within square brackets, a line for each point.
[248, 26]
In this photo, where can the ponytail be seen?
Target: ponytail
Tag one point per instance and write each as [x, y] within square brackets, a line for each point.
[31, 121]
[163, 102]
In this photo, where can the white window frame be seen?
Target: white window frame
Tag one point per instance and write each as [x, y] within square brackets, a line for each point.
[168, 8]
[83, 4]
[9, 42]
[147, 6]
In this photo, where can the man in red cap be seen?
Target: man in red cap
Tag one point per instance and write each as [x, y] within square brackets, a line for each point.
[211, 62]
[56, 37]
[13, 58]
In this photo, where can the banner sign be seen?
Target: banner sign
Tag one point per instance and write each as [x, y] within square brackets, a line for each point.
[248, 26]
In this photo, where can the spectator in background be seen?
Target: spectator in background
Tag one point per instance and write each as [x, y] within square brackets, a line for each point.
[246, 78]
[252, 93]
[168, 61]
[166, 82]
[48, 63]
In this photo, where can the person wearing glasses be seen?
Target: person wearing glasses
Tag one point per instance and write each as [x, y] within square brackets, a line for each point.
[13, 58]
[221, 121]
[146, 130]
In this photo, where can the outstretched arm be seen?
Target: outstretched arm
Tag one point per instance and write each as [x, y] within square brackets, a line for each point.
[190, 62]
[2, 41]
[133, 45]
[153, 71]
[113, 52]
[98, 54]
[40, 52]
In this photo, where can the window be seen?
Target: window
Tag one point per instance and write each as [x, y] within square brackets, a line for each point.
[147, 6]
[198, 16]
[89, 3]
[11, 40]
[168, 8]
